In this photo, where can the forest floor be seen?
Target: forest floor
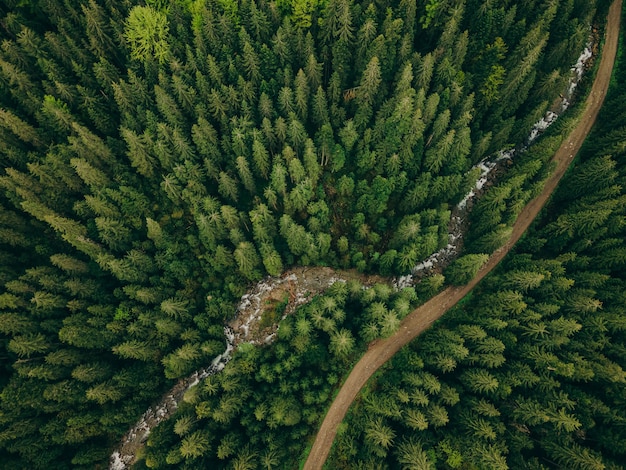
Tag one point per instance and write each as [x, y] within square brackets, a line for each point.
[380, 351]
[261, 309]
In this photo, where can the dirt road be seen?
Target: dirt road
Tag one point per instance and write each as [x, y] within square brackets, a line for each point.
[421, 318]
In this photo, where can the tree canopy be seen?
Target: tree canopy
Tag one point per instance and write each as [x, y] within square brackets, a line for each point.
[160, 156]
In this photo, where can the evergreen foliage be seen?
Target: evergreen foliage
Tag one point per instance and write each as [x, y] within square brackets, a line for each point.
[532, 364]
[267, 399]
[159, 157]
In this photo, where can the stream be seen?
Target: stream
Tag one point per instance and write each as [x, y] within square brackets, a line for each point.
[301, 284]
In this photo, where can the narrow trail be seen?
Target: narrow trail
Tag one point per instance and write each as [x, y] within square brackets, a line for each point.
[380, 351]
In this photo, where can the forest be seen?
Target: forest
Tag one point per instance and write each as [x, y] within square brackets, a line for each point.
[160, 157]
[529, 371]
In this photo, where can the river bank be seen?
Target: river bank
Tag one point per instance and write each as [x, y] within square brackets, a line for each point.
[298, 285]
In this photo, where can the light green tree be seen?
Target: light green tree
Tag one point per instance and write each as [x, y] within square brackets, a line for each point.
[146, 31]
[194, 445]
[341, 343]
[463, 269]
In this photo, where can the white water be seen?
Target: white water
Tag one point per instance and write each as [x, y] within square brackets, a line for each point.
[253, 304]
[488, 164]
[120, 460]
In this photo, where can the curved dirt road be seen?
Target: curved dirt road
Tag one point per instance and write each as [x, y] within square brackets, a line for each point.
[420, 319]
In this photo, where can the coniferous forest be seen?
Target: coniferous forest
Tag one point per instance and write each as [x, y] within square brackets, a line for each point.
[530, 371]
[160, 157]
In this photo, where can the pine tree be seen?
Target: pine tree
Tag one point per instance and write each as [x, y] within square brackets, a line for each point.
[28, 345]
[194, 445]
[227, 186]
[247, 260]
[412, 456]
[98, 29]
[480, 381]
[462, 270]
[146, 31]
[366, 93]
[341, 343]
[301, 97]
[379, 434]
[416, 419]
[104, 392]
[245, 174]
[574, 456]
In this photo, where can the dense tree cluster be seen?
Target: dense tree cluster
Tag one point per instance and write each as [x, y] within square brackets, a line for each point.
[259, 411]
[158, 157]
[529, 372]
